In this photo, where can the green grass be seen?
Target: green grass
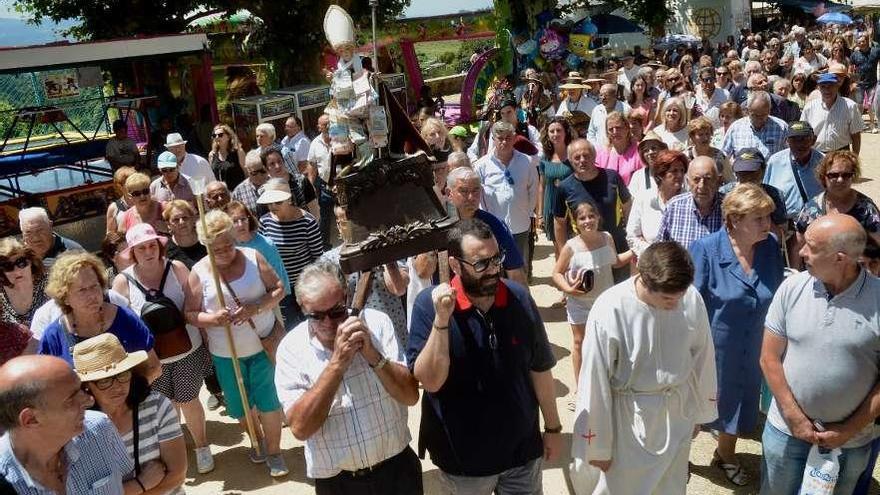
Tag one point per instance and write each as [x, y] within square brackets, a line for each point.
[431, 52]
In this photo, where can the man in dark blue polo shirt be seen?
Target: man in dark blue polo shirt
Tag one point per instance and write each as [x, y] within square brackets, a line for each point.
[479, 348]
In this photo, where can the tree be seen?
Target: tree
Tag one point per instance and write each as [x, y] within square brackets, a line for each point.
[291, 35]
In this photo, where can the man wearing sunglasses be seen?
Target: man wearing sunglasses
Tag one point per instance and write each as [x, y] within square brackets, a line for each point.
[510, 186]
[247, 192]
[170, 185]
[480, 350]
[709, 97]
[345, 388]
[37, 234]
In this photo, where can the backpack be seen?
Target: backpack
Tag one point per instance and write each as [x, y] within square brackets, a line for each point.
[163, 318]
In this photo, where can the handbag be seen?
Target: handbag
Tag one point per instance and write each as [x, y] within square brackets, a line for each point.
[163, 318]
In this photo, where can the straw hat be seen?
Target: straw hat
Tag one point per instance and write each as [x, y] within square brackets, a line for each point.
[274, 192]
[103, 356]
[573, 81]
[650, 136]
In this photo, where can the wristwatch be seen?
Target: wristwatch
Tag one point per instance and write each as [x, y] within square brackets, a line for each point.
[380, 364]
[558, 429]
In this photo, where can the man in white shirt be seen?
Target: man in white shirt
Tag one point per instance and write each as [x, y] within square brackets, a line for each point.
[319, 149]
[295, 141]
[190, 165]
[344, 386]
[628, 72]
[510, 186]
[610, 103]
[710, 97]
[836, 120]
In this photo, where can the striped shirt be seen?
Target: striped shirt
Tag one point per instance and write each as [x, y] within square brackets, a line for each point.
[364, 425]
[96, 459]
[298, 241]
[157, 423]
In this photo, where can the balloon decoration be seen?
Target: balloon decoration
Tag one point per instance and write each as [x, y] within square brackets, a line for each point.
[557, 45]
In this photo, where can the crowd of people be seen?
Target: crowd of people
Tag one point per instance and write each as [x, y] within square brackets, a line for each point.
[709, 247]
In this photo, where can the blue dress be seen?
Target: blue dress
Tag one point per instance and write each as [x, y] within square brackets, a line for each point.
[736, 304]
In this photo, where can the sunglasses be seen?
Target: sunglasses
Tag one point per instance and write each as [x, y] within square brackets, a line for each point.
[708, 80]
[254, 173]
[720, 73]
[8, 266]
[105, 383]
[840, 175]
[139, 193]
[218, 135]
[508, 177]
[483, 265]
[334, 314]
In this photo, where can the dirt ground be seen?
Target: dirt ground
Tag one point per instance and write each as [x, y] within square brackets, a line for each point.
[235, 474]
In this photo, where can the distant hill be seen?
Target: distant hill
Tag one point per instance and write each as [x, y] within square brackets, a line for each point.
[17, 32]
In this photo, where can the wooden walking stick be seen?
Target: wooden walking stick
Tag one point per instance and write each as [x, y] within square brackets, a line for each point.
[198, 188]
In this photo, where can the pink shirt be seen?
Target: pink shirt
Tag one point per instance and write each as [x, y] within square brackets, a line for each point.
[625, 165]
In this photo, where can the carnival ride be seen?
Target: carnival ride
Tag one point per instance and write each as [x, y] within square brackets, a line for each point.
[57, 121]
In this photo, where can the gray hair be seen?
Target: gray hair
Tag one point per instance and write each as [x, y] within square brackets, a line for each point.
[646, 71]
[502, 127]
[252, 158]
[215, 183]
[461, 173]
[313, 279]
[33, 214]
[18, 397]
[757, 97]
[753, 65]
[267, 129]
[458, 159]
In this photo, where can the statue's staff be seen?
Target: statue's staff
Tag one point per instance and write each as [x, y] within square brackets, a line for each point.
[198, 189]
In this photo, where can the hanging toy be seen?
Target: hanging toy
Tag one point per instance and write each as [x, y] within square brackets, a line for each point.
[551, 45]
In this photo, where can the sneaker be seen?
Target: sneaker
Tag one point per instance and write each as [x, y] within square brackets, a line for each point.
[204, 460]
[257, 455]
[214, 402]
[277, 467]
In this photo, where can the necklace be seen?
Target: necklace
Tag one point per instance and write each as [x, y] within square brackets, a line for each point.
[74, 329]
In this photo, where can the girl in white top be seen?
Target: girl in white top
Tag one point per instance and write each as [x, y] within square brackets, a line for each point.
[583, 272]
[673, 130]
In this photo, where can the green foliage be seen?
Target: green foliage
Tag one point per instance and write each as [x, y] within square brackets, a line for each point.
[652, 14]
[291, 33]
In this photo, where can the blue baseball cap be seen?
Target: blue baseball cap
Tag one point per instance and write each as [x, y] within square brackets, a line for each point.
[827, 78]
[167, 160]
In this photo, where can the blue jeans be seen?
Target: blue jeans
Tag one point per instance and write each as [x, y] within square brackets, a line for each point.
[784, 458]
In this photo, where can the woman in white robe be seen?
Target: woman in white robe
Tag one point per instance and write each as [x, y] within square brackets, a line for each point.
[647, 379]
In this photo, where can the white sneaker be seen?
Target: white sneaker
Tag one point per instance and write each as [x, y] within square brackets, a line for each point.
[204, 460]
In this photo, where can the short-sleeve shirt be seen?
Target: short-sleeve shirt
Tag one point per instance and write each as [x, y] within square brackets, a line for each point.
[683, 223]
[842, 332]
[160, 191]
[835, 125]
[606, 191]
[484, 418]
[768, 139]
[158, 423]
[867, 66]
[781, 168]
[122, 151]
[96, 459]
[131, 330]
[864, 211]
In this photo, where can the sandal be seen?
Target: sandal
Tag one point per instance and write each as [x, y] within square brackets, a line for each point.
[733, 472]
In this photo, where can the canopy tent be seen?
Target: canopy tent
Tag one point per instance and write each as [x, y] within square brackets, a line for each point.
[809, 6]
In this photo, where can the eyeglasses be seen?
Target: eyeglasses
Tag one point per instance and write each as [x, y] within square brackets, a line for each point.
[333, 313]
[218, 135]
[105, 383]
[8, 266]
[508, 177]
[140, 192]
[260, 171]
[840, 175]
[240, 220]
[482, 265]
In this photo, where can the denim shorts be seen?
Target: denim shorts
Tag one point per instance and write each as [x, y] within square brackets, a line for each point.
[258, 375]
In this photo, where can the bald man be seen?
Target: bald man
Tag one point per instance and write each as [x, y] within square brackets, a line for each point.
[695, 214]
[820, 359]
[52, 443]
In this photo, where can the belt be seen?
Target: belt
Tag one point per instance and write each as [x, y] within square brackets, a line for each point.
[367, 471]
